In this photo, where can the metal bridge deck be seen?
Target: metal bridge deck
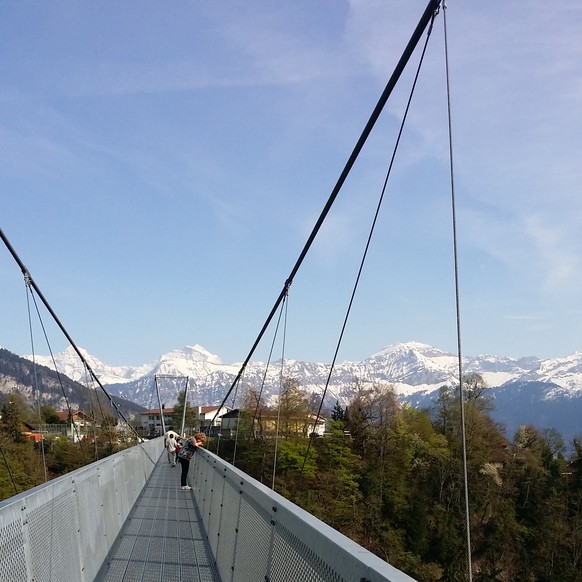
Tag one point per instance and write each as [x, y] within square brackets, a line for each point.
[163, 539]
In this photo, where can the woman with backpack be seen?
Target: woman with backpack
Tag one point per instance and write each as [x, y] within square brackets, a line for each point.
[187, 449]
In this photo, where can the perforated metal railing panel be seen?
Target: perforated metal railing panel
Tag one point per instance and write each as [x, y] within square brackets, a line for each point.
[257, 535]
[162, 539]
[126, 519]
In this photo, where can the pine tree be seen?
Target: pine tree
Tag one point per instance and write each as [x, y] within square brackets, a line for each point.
[12, 420]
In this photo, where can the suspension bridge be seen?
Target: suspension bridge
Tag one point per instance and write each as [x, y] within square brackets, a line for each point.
[125, 518]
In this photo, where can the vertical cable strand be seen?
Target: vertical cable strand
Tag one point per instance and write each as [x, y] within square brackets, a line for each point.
[457, 304]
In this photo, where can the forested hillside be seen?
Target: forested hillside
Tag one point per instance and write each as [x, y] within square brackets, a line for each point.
[38, 384]
[32, 395]
[391, 478]
[26, 463]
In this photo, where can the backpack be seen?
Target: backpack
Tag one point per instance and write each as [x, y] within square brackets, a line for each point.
[187, 450]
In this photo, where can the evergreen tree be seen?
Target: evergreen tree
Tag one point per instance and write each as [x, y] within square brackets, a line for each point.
[331, 491]
[12, 419]
[338, 413]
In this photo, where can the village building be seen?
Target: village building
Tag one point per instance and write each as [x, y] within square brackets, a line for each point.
[150, 421]
[269, 422]
[208, 419]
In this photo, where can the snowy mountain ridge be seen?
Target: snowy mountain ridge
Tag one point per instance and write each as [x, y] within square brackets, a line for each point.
[411, 367]
[544, 393]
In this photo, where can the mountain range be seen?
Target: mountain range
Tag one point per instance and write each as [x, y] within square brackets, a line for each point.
[544, 393]
[38, 384]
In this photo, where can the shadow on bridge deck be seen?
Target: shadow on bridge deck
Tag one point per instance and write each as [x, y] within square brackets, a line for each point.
[163, 539]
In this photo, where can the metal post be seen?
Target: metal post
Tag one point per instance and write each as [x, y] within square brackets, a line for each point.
[185, 404]
[160, 404]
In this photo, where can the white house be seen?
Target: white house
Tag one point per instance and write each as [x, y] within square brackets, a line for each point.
[210, 417]
[150, 421]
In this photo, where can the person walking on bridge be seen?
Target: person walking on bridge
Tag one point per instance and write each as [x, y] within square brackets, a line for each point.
[187, 449]
[171, 444]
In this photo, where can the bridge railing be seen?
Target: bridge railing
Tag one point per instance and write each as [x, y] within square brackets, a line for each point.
[63, 530]
[256, 534]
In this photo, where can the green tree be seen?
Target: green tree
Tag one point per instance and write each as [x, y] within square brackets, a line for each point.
[296, 460]
[492, 518]
[12, 418]
[251, 422]
[331, 491]
[21, 466]
[478, 392]
[369, 415]
[292, 408]
[64, 456]
[338, 413]
[48, 415]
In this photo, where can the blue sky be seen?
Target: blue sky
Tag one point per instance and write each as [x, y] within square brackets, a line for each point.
[163, 164]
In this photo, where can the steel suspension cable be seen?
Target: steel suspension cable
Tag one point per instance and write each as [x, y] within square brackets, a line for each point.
[89, 380]
[427, 16]
[257, 412]
[183, 425]
[371, 232]
[281, 392]
[457, 303]
[32, 283]
[238, 417]
[69, 409]
[93, 417]
[244, 392]
[35, 379]
[7, 465]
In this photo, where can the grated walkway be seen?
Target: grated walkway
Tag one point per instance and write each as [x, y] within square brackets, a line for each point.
[163, 539]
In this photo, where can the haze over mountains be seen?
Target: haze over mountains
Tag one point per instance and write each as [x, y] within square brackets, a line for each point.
[544, 393]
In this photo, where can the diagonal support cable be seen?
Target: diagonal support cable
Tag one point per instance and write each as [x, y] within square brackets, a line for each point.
[34, 286]
[427, 16]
